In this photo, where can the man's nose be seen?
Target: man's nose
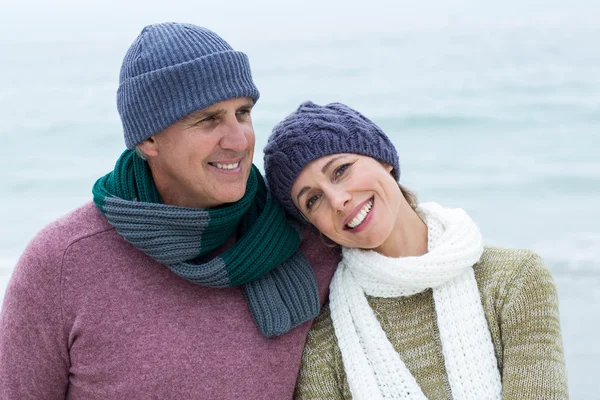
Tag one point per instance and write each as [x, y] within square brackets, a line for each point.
[234, 137]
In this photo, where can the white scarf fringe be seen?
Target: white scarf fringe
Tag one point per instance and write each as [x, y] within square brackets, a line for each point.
[373, 367]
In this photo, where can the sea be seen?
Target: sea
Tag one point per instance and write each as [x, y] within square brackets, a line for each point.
[493, 108]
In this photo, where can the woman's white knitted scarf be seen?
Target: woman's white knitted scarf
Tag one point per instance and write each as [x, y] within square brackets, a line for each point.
[373, 367]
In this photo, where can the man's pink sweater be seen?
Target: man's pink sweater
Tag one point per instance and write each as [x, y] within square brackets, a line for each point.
[88, 316]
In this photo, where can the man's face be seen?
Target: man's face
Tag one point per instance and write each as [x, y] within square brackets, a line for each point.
[204, 160]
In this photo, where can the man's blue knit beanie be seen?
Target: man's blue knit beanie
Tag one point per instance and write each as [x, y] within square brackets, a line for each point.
[172, 70]
[314, 131]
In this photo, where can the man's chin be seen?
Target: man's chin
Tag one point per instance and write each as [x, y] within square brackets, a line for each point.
[232, 197]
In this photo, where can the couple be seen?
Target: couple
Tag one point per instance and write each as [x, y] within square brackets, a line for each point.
[185, 278]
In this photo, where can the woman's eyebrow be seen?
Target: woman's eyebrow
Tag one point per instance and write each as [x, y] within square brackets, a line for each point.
[323, 170]
[301, 193]
[326, 166]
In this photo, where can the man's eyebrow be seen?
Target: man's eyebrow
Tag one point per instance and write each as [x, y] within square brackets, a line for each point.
[249, 104]
[323, 170]
[201, 114]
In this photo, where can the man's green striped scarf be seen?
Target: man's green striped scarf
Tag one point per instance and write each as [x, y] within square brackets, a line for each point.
[279, 284]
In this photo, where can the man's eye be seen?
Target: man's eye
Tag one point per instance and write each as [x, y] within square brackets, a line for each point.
[243, 113]
[205, 121]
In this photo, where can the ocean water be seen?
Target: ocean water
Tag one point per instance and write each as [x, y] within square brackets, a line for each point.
[498, 116]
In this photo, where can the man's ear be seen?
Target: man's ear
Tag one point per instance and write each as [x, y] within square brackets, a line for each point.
[149, 147]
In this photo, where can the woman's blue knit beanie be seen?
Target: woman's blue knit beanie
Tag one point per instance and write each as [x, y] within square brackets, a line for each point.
[314, 131]
[172, 70]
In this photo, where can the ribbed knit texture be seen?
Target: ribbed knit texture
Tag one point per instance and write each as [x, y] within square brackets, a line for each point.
[374, 369]
[277, 279]
[314, 131]
[521, 308]
[87, 316]
[172, 70]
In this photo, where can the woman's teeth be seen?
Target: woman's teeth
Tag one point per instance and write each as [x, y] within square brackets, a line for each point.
[362, 214]
[227, 166]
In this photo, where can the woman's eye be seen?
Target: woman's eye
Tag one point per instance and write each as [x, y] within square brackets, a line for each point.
[311, 201]
[340, 171]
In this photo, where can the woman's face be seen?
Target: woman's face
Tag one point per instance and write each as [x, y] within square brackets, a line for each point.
[354, 200]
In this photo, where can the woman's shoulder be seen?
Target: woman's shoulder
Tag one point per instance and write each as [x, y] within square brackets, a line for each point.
[505, 274]
[507, 257]
[521, 305]
[508, 263]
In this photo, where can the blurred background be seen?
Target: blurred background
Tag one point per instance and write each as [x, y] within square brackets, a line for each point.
[494, 107]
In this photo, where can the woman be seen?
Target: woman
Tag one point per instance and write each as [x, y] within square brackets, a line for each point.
[418, 307]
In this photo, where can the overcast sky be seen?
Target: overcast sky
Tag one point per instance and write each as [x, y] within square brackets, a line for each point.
[40, 20]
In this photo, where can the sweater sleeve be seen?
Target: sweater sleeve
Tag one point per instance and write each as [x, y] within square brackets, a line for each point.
[34, 361]
[321, 370]
[533, 360]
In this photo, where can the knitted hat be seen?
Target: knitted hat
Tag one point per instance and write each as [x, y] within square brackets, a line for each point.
[314, 131]
[172, 70]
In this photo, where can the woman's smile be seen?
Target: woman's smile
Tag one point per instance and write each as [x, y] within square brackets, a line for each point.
[360, 218]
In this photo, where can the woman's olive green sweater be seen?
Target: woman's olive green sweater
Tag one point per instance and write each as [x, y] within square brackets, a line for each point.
[521, 307]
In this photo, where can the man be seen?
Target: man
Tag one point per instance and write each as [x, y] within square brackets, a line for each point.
[182, 280]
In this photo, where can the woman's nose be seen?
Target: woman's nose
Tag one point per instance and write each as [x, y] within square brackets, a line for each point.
[339, 199]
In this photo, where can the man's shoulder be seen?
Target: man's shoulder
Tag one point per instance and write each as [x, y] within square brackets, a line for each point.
[43, 257]
[322, 257]
[314, 246]
[82, 222]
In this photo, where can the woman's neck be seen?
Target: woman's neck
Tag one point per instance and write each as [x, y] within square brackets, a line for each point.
[409, 238]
